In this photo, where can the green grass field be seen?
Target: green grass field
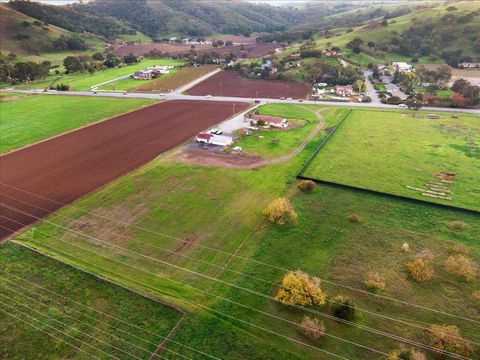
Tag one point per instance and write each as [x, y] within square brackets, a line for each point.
[98, 318]
[387, 151]
[81, 82]
[32, 118]
[176, 213]
[275, 143]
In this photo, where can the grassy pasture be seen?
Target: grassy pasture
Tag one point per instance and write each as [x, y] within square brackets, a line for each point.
[387, 151]
[137, 326]
[189, 206]
[85, 81]
[32, 118]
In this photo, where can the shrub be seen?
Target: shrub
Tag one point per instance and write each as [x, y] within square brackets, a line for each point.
[407, 354]
[298, 288]
[420, 270]
[374, 281]
[447, 338]
[306, 186]
[461, 265]
[355, 218]
[312, 328]
[457, 225]
[343, 308]
[280, 211]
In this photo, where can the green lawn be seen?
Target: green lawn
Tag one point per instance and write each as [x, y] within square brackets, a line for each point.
[179, 212]
[387, 151]
[68, 307]
[80, 82]
[275, 143]
[37, 117]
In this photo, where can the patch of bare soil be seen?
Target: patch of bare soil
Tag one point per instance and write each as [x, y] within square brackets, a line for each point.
[104, 229]
[218, 158]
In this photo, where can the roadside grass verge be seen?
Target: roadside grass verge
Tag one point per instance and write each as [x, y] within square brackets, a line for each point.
[37, 117]
[138, 323]
[387, 151]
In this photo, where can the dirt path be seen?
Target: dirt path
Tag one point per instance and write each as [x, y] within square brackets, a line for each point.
[209, 158]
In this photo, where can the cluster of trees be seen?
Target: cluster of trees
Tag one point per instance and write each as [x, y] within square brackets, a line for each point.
[331, 73]
[220, 43]
[465, 94]
[69, 43]
[23, 71]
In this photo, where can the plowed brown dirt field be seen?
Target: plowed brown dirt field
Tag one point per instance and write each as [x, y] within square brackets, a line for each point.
[230, 83]
[38, 180]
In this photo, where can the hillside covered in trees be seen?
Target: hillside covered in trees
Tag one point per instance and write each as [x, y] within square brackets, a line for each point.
[160, 18]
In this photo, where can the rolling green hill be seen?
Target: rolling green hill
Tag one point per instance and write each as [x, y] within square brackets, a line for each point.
[426, 33]
[32, 40]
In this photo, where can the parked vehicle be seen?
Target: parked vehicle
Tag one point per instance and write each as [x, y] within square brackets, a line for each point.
[237, 149]
[215, 131]
[402, 105]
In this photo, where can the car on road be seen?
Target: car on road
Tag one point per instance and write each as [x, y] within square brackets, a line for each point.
[256, 101]
[289, 98]
[282, 98]
[208, 96]
[161, 94]
[215, 131]
[402, 106]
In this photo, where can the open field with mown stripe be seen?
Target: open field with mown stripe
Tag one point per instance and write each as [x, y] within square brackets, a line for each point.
[403, 153]
[26, 119]
[83, 82]
[230, 83]
[164, 83]
[174, 228]
[51, 310]
[83, 160]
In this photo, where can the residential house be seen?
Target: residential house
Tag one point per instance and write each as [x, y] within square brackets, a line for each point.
[402, 67]
[331, 53]
[295, 57]
[468, 65]
[344, 91]
[269, 121]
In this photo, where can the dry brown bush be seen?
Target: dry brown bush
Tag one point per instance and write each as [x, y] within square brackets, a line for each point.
[461, 265]
[447, 338]
[312, 328]
[298, 288]
[355, 218]
[457, 225]
[375, 281]
[280, 211]
[421, 270]
[405, 353]
[306, 186]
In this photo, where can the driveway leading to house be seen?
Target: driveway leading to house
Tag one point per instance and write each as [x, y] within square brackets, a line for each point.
[371, 89]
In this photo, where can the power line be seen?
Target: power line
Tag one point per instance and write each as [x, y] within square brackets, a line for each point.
[195, 304]
[384, 297]
[363, 327]
[108, 315]
[72, 327]
[251, 276]
[50, 326]
[49, 334]
[83, 322]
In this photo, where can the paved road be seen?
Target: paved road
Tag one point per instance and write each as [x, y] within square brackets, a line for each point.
[174, 96]
[371, 89]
